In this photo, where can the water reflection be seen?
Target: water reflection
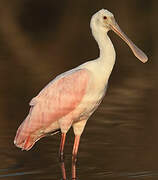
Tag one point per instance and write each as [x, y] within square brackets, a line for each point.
[63, 170]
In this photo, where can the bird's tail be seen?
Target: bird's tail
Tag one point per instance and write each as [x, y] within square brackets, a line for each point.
[25, 139]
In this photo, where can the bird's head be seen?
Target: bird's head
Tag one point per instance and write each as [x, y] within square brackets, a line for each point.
[103, 21]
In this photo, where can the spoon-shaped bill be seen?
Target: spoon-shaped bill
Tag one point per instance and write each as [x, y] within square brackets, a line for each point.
[137, 52]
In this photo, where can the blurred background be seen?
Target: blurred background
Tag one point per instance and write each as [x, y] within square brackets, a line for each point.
[39, 40]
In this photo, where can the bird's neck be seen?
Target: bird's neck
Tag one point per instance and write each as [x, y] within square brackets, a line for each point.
[107, 51]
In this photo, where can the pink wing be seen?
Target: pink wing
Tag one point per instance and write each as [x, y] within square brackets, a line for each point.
[56, 100]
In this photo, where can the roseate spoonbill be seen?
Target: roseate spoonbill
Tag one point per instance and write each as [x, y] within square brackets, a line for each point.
[71, 98]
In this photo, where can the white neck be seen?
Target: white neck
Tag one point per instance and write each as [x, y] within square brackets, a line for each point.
[107, 51]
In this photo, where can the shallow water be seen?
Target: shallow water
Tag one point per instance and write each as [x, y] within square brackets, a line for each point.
[120, 138]
[119, 142]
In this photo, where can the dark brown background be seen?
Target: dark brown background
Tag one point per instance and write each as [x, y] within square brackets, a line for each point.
[40, 39]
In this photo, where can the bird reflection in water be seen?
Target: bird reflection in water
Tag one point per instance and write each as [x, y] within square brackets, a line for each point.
[73, 170]
[63, 170]
[74, 156]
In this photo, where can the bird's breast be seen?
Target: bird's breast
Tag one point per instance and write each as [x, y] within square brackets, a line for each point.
[95, 92]
[91, 101]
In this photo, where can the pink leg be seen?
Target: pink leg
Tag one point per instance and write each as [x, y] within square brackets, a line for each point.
[63, 170]
[74, 155]
[62, 143]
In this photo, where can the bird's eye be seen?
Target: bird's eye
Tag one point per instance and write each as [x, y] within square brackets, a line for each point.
[104, 17]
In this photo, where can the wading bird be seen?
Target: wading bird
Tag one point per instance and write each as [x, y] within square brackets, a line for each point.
[71, 98]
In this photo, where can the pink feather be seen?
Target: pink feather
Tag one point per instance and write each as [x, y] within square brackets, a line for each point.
[56, 100]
